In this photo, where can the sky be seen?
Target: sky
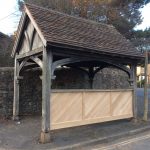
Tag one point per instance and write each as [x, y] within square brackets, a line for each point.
[146, 17]
[9, 18]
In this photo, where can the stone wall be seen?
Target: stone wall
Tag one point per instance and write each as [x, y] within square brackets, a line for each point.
[31, 86]
[30, 93]
[6, 91]
[107, 78]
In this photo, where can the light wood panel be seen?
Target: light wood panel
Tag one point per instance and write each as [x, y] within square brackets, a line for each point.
[66, 107]
[96, 104]
[76, 108]
[121, 103]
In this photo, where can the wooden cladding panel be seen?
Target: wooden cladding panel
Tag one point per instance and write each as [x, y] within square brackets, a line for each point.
[70, 109]
[121, 103]
[66, 107]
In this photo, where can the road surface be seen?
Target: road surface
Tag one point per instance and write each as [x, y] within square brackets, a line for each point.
[139, 142]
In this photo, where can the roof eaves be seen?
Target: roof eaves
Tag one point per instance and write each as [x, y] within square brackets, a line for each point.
[19, 33]
[80, 48]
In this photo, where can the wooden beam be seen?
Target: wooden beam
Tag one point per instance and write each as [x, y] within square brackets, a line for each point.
[16, 91]
[63, 51]
[30, 53]
[46, 92]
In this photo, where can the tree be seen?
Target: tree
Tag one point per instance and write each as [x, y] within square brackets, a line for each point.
[123, 14]
[141, 39]
[142, 42]
[6, 44]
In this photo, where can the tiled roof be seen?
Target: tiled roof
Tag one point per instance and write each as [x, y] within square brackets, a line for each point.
[64, 29]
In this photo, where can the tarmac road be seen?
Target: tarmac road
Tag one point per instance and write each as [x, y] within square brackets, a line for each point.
[140, 101]
[141, 142]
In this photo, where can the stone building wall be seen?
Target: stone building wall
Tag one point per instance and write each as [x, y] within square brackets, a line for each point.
[31, 86]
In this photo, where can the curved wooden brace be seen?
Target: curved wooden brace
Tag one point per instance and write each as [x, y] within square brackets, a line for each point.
[37, 60]
[22, 64]
[74, 60]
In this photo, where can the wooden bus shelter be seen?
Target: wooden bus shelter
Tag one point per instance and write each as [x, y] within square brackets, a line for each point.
[50, 39]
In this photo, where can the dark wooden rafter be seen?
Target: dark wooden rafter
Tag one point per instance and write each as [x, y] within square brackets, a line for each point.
[32, 38]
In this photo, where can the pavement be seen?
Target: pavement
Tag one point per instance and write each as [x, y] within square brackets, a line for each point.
[24, 135]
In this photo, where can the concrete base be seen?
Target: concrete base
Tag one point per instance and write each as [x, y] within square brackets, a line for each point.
[134, 120]
[45, 137]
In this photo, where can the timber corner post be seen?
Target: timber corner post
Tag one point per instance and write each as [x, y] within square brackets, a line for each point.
[134, 85]
[16, 91]
[45, 136]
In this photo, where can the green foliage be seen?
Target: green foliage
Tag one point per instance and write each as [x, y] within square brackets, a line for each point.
[140, 84]
[142, 34]
[141, 39]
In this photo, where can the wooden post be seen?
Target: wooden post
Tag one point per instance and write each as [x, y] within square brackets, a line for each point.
[134, 80]
[91, 76]
[16, 92]
[145, 117]
[46, 91]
